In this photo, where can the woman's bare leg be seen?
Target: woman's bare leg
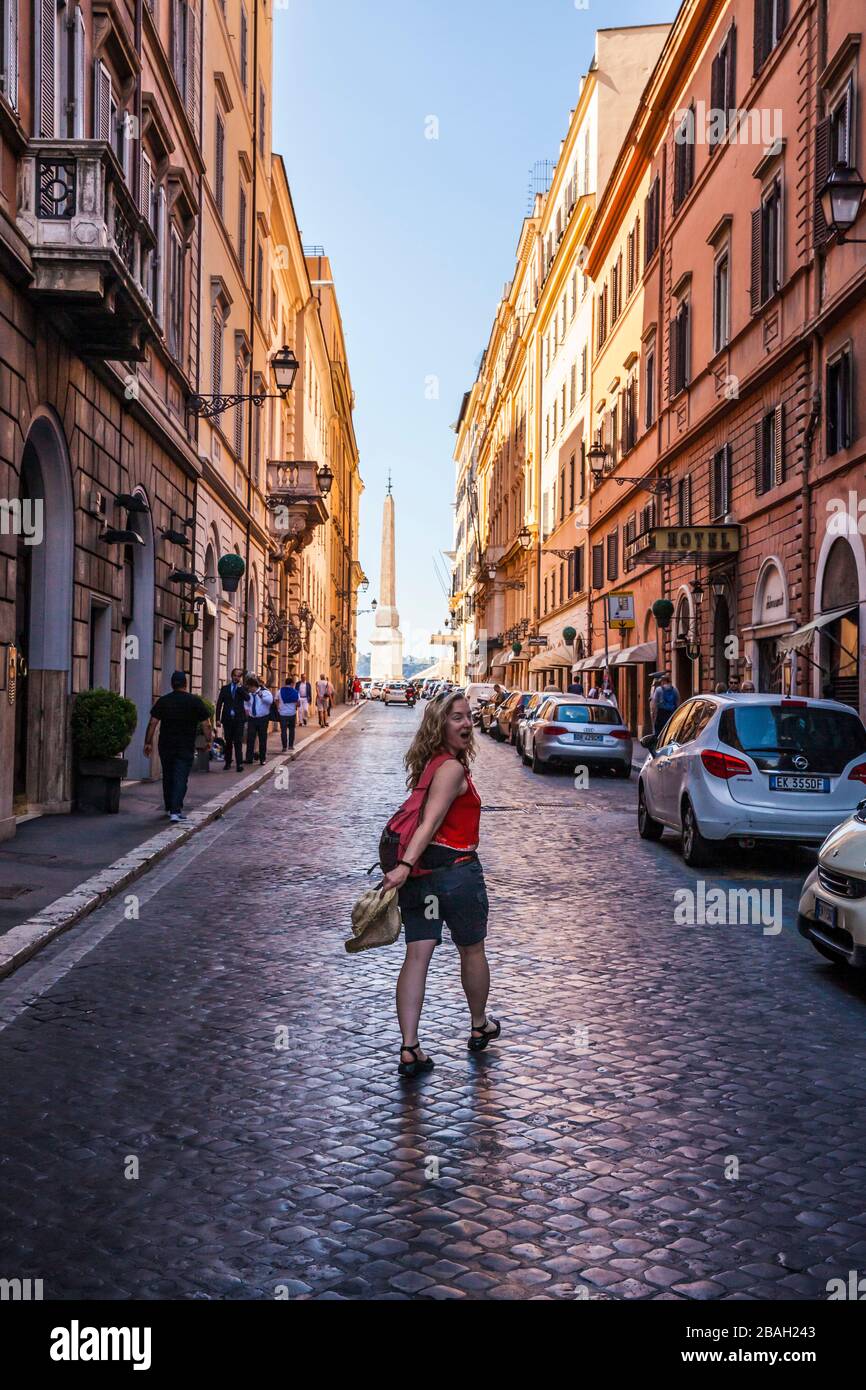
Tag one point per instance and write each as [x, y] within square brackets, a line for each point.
[475, 978]
[411, 983]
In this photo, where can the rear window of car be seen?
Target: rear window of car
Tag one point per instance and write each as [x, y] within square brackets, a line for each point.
[587, 714]
[773, 735]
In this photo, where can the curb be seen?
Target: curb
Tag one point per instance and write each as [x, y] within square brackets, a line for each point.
[23, 941]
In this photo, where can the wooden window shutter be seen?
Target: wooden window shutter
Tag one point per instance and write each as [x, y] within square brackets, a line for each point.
[730, 93]
[47, 50]
[755, 263]
[191, 73]
[759, 457]
[759, 33]
[219, 163]
[822, 169]
[783, 15]
[101, 103]
[716, 93]
[779, 446]
[239, 410]
[145, 192]
[9, 48]
[846, 386]
[714, 486]
[598, 566]
[217, 354]
[636, 247]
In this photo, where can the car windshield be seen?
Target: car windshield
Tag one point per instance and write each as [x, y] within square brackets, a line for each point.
[773, 735]
[587, 714]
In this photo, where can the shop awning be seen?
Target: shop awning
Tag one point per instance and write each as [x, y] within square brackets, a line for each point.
[797, 641]
[597, 661]
[552, 659]
[636, 656]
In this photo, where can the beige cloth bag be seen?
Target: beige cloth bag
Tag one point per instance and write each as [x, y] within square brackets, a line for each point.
[376, 920]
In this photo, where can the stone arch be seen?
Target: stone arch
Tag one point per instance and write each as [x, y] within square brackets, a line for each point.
[843, 531]
[44, 606]
[251, 653]
[210, 621]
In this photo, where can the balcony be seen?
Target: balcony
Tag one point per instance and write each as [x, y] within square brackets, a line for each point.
[90, 247]
[295, 501]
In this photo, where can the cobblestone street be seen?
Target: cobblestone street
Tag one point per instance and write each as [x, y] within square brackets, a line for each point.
[591, 1152]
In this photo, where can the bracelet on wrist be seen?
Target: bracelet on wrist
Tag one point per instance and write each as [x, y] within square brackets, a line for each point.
[405, 863]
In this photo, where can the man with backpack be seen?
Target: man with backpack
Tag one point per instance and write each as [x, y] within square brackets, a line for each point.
[665, 699]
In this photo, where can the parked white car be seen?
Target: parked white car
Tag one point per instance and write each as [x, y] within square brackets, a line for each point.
[832, 911]
[394, 693]
[576, 732]
[749, 768]
[375, 692]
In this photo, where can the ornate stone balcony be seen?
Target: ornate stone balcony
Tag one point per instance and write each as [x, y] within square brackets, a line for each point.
[89, 244]
[295, 501]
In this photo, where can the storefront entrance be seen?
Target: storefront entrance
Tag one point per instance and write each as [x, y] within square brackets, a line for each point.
[840, 639]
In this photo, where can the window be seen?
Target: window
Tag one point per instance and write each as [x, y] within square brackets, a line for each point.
[158, 265]
[602, 317]
[260, 275]
[771, 16]
[216, 375]
[578, 567]
[613, 555]
[616, 289]
[766, 261]
[103, 103]
[562, 493]
[684, 501]
[175, 294]
[9, 51]
[614, 431]
[839, 403]
[723, 100]
[219, 162]
[586, 161]
[571, 463]
[262, 114]
[684, 157]
[239, 409]
[572, 389]
[99, 645]
[630, 414]
[546, 604]
[582, 469]
[841, 125]
[180, 26]
[721, 301]
[649, 383]
[584, 368]
[680, 349]
[652, 210]
[720, 484]
[242, 228]
[769, 455]
[243, 49]
[574, 294]
[598, 566]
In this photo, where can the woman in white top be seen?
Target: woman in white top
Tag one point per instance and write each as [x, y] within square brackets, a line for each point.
[324, 691]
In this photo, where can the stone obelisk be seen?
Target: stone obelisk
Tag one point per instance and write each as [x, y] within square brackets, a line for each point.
[386, 644]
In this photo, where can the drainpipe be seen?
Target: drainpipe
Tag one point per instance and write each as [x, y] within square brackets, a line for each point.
[254, 84]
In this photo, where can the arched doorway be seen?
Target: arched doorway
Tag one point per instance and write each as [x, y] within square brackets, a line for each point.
[683, 672]
[138, 632]
[210, 631]
[252, 626]
[43, 619]
[840, 639]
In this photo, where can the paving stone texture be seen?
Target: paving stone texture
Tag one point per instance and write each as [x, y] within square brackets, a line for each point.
[673, 1111]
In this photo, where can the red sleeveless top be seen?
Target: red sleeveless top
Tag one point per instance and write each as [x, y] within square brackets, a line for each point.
[460, 828]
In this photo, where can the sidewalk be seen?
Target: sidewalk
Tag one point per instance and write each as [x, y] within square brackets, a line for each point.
[52, 855]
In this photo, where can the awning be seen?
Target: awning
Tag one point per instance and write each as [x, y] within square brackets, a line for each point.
[552, 659]
[635, 656]
[597, 661]
[799, 640]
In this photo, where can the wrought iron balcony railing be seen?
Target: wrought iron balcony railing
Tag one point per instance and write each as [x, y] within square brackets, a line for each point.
[295, 500]
[90, 246]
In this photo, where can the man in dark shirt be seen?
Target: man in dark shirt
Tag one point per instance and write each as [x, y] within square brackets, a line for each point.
[178, 716]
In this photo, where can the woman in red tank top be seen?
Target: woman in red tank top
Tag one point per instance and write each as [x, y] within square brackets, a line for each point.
[440, 879]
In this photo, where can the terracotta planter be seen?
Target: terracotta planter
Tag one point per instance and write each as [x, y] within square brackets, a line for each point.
[97, 785]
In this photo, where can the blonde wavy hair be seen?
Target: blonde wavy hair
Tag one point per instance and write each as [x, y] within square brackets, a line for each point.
[430, 738]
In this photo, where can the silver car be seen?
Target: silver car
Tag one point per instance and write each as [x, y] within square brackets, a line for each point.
[750, 768]
[578, 732]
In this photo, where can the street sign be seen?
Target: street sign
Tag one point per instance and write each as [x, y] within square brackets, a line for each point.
[536, 641]
[682, 542]
[620, 610]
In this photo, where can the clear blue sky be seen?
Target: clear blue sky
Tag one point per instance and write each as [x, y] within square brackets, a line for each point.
[422, 233]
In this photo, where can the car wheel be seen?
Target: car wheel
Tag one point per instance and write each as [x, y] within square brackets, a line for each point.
[623, 771]
[648, 827]
[696, 850]
[537, 764]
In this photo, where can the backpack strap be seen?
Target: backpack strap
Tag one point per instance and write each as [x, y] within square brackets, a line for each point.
[430, 770]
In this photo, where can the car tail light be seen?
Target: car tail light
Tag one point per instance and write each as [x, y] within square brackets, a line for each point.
[796, 704]
[724, 765]
[552, 729]
[858, 773]
[618, 733]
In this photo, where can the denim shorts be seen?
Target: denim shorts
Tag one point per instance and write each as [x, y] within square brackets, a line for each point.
[453, 893]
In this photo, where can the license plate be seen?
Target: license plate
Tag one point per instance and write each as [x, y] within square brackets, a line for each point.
[825, 912]
[588, 738]
[787, 782]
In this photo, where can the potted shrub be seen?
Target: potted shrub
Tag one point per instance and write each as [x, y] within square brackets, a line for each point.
[202, 746]
[230, 569]
[102, 726]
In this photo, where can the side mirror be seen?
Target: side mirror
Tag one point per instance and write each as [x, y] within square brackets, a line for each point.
[650, 743]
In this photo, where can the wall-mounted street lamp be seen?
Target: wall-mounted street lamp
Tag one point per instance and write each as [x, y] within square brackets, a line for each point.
[284, 365]
[601, 466]
[326, 479]
[840, 197]
[524, 536]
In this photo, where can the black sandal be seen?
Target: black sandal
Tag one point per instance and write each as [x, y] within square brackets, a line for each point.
[416, 1066]
[479, 1044]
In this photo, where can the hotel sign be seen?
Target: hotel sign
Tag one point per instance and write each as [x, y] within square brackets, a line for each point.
[684, 542]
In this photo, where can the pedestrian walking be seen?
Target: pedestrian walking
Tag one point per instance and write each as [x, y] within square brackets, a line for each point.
[286, 706]
[356, 691]
[439, 877]
[231, 714]
[664, 701]
[747, 688]
[305, 696]
[178, 716]
[258, 709]
[324, 692]
[734, 684]
[593, 693]
[575, 687]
